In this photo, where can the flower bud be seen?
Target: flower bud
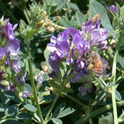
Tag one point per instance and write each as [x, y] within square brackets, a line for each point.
[48, 22]
[50, 29]
[45, 69]
[114, 9]
[58, 17]
[4, 83]
[20, 94]
[4, 75]
[40, 23]
[44, 13]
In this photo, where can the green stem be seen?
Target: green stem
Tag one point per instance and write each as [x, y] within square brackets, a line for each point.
[97, 112]
[52, 106]
[33, 84]
[114, 67]
[114, 107]
[58, 26]
[72, 98]
[114, 88]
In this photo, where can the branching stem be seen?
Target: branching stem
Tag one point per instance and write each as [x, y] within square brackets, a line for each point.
[33, 84]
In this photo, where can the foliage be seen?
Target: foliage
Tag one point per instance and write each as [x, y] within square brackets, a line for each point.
[43, 81]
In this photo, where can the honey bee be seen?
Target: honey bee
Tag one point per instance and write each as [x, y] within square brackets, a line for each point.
[93, 62]
[95, 17]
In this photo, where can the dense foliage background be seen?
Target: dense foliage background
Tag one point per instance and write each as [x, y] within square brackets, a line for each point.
[70, 107]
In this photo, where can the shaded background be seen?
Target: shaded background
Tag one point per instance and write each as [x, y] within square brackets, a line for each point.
[13, 9]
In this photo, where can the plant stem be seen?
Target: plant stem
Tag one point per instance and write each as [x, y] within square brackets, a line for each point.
[72, 98]
[114, 88]
[58, 26]
[33, 84]
[114, 107]
[114, 67]
[97, 112]
[52, 106]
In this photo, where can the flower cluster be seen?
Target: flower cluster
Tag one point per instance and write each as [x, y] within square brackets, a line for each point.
[9, 59]
[72, 44]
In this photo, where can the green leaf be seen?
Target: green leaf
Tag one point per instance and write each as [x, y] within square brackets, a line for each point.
[66, 112]
[30, 107]
[118, 95]
[56, 121]
[65, 22]
[27, 87]
[30, 34]
[54, 85]
[69, 77]
[79, 18]
[53, 5]
[121, 43]
[2, 109]
[68, 90]
[23, 116]
[11, 110]
[101, 95]
[85, 78]
[5, 100]
[120, 59]
[106, 119]
[11, 95]
[122, 12]
[63, 68]
[73, 6]
[12, 121]
[46, 55]
[87, 97]
[59, 109]
[48, 3]
[45, 110]
[47, 99]
[121, 118]
[97, 8]
[60, 4]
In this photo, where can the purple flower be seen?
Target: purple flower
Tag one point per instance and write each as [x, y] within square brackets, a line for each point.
[14, 44]
[39, 78]
[92, 35]
[9, 59]
[85, 88]
[11, 87]
[2, 54]
[79, 74]
[2, 74]
[15, 66]
[71, 45]
[26, 94]
[20, 78]
[12, 48]
[7, 62]
[9, 31]
[114, 9]
[54, 61]
[23, 77]
[98, 37]
[62, 47]
[70, 59]
[62, 43]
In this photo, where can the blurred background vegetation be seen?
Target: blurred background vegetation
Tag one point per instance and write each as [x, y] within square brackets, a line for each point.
[13, 9]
